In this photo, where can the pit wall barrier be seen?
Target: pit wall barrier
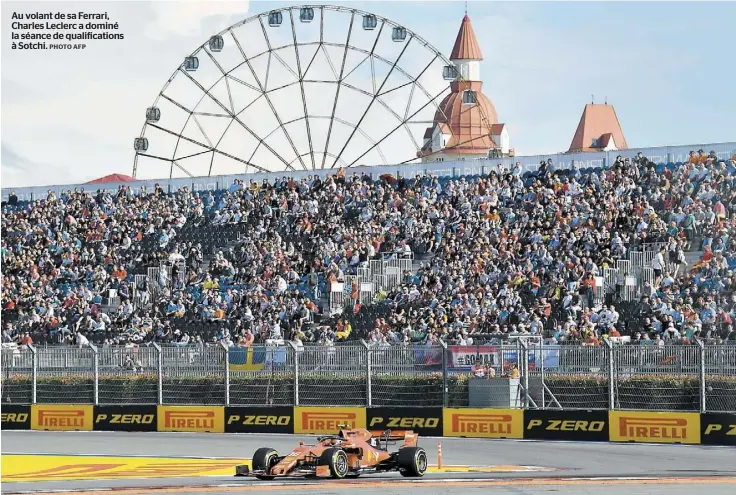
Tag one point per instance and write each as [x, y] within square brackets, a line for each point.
[613, 426]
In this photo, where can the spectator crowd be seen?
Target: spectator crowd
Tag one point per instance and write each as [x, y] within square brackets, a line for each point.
[501, 254]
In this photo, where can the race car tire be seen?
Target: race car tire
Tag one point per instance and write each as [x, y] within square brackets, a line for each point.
[412, 462]
[337, 460]
[264, 459]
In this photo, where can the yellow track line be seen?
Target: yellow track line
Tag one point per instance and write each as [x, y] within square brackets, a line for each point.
[34, 468]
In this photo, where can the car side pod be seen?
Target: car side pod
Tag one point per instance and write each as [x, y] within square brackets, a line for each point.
[242, 470]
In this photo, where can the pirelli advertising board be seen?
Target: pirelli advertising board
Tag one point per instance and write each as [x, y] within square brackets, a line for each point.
[483, 423]
[262, 419]
[566, 425]
[615, 426]
[62, 417]
[716, 429]
[204, 419]
[16, 417]
[654, 427]
[427, 421]
[326, 420]
[125, 418]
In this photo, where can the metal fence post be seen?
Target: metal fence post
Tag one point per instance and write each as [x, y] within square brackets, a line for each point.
[160, 372]
[34, 373]
[444, 372]
[368, 384]
[523, 358]
[296, 371]
[701, 384]
[611, 375]
[227, 373]
[540, 362]
[96, 360]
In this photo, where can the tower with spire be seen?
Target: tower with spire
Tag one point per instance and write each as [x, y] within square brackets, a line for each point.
[465, 125]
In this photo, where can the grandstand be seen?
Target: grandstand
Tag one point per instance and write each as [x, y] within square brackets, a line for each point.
[466, 244]
[632, 247]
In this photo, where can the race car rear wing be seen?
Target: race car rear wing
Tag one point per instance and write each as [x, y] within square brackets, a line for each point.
[408, 436]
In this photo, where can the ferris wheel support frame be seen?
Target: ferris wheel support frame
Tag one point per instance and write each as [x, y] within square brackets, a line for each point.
[373, 99]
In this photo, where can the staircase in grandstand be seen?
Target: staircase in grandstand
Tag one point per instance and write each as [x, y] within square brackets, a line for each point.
[628, 277]
[630, 273]
[372, 278]
[157, 278]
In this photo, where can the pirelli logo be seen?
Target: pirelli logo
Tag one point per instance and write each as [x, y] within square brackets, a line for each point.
[328, 420]
[72, 419]
[675, 429]
[198, 419]
[655, 427]
[61, 417]
[483, 423]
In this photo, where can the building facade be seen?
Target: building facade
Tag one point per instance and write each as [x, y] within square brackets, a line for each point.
[465, 125]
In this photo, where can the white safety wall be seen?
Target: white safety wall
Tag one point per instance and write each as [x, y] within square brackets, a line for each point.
[667, 154]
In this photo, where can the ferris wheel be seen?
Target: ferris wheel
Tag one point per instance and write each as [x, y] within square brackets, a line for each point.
[299, 88]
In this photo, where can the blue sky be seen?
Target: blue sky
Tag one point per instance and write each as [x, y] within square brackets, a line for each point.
[667, 67]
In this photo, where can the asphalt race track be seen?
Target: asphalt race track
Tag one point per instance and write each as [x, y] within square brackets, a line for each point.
[504, 466]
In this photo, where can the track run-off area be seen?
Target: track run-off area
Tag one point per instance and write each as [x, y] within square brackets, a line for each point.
[194, 463]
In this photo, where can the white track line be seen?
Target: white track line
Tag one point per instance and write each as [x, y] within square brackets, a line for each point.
[439, 439]
[66, 454]
[551, 482]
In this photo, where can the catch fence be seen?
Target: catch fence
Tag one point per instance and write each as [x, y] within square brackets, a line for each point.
[700, 377]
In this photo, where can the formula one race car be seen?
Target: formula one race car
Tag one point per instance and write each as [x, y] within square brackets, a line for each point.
[350, 453]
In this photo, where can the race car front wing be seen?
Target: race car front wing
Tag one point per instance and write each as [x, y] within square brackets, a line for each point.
[319, 471]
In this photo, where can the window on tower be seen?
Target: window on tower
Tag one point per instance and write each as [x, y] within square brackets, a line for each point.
[469, 97]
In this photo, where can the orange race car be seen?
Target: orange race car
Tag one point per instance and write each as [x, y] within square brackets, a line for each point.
[350, 453]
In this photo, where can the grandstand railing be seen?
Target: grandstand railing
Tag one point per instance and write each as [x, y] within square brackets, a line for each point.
[631, 273]
[700, 377]
[385, 273]
[662, 154]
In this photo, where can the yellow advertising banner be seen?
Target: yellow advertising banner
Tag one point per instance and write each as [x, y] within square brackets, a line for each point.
[483, 423]
[62, 417]
[210, 419]
[654, 427]
[326, 420]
